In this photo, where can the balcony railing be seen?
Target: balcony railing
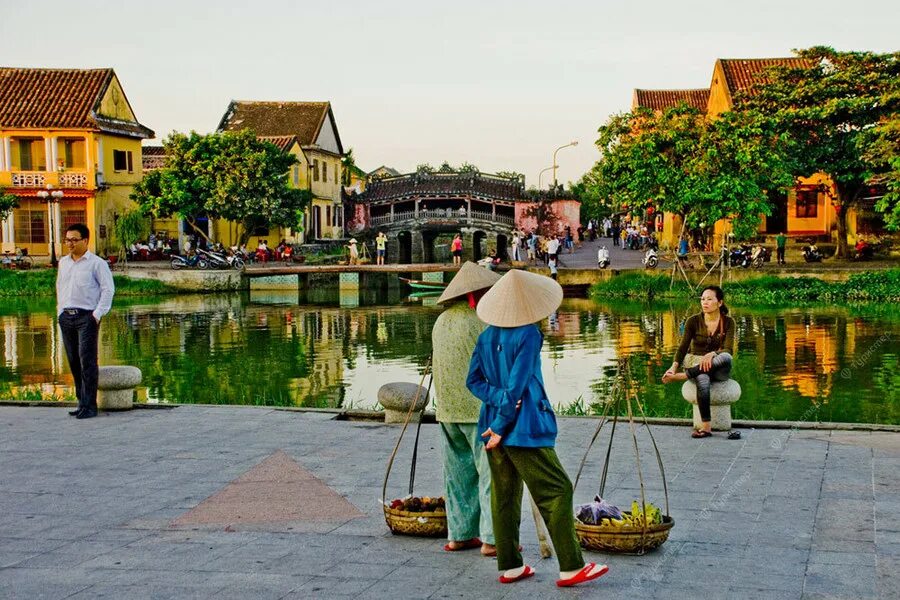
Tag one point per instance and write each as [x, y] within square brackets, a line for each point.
[73, 179]
[443, 215]
[29, 179]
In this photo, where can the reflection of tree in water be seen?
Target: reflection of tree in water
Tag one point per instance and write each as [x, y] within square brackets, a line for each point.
[264, 355]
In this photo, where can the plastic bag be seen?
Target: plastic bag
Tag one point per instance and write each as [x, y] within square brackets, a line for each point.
[594, 512]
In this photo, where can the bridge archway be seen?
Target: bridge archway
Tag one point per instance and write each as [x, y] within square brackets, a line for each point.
[404, 243]
[428, 251]
[502, 246]
[479, 245]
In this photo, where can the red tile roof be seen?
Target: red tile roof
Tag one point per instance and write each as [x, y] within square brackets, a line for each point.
[663, 99]
[59, 98]
[301, 119]
[443, 184]
[284, 142]
[153, 157]
[741, 74]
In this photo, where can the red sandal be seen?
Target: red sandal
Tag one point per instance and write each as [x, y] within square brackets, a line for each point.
[528, 572]
[466, 545]
[583, 575]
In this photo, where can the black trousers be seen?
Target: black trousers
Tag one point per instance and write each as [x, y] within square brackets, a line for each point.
[780, 255]
[80, 333]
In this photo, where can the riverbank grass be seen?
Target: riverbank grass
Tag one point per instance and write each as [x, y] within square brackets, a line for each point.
[42, 283]
[765, 289]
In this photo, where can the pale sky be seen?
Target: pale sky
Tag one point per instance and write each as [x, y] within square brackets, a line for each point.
[497, 84]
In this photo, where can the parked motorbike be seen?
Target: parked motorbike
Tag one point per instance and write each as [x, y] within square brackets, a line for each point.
[811, 254]
[651, 259]
[214, 259]
[189, 262]
[863, 250]
[603, 257]
[236, 262]
[758, 256]
[740, 256]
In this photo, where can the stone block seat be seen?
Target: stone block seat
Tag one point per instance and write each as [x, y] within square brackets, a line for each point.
[722, 395]
[115, 387]
[396, 398]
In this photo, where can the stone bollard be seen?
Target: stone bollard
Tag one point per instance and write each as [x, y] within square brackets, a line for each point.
[396, 398]
[722, 394]
[115, 387]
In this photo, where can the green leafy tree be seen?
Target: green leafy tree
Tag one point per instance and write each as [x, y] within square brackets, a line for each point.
[881, 150]
[129, 228]
[231, 175]
[680, 162]
[7, 203]
[348, 167]
[820, 116]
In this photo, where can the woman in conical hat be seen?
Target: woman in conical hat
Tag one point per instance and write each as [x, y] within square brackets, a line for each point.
[467, 475]
[519, 427]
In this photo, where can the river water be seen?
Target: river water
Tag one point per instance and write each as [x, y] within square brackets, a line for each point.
[819, 363]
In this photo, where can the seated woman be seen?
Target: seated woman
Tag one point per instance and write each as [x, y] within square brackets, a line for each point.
[710, 337]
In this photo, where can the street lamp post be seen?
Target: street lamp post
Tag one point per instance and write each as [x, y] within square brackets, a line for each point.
[572, 143]
[541, 175]
[51, 197]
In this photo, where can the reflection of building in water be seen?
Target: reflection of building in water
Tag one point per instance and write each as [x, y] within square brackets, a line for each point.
[33, 350]
[322, 331]
[810, 359]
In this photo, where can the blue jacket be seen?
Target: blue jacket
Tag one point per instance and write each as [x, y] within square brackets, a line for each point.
[506, 367]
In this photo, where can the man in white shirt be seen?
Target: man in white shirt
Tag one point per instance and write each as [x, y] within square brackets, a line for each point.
[553, 246]
[84, 294]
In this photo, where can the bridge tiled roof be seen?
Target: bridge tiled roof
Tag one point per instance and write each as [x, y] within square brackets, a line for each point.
[449, 184]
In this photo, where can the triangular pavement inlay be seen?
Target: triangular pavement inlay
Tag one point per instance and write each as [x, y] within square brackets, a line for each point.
[277, 489]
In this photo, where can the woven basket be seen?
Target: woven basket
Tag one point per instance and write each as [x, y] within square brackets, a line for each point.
[421, 524]
[622, 540]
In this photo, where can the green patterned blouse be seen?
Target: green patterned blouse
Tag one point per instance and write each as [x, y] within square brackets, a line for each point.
[453, 340]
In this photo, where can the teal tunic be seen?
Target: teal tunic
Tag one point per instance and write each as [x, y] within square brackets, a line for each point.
[467, 475]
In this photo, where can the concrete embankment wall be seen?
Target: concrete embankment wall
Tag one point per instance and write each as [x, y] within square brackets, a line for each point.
[574, 278]
[193, 280]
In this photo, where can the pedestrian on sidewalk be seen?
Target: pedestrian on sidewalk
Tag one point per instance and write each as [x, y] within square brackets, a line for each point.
[467, 475]
[616, 231]
[780, 243]
[519, 427]
[84, 295]
[709, 335]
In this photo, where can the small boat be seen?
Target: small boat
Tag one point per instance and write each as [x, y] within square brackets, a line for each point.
[418, 284]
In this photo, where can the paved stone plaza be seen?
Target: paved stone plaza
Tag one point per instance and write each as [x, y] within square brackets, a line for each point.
[198, 502]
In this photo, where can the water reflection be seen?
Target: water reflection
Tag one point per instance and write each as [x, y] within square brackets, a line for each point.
[826, 363]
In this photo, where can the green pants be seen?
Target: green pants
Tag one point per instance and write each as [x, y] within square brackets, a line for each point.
[467, 479]
[551, 489]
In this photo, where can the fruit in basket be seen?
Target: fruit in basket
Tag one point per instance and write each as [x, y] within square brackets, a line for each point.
[416, 504]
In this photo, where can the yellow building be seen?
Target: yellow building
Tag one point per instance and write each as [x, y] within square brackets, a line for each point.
[318, 148]
[807, 209]
[71, 131]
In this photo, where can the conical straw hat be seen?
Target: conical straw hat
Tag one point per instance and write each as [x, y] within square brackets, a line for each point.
[520, 298]
[470, 278]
